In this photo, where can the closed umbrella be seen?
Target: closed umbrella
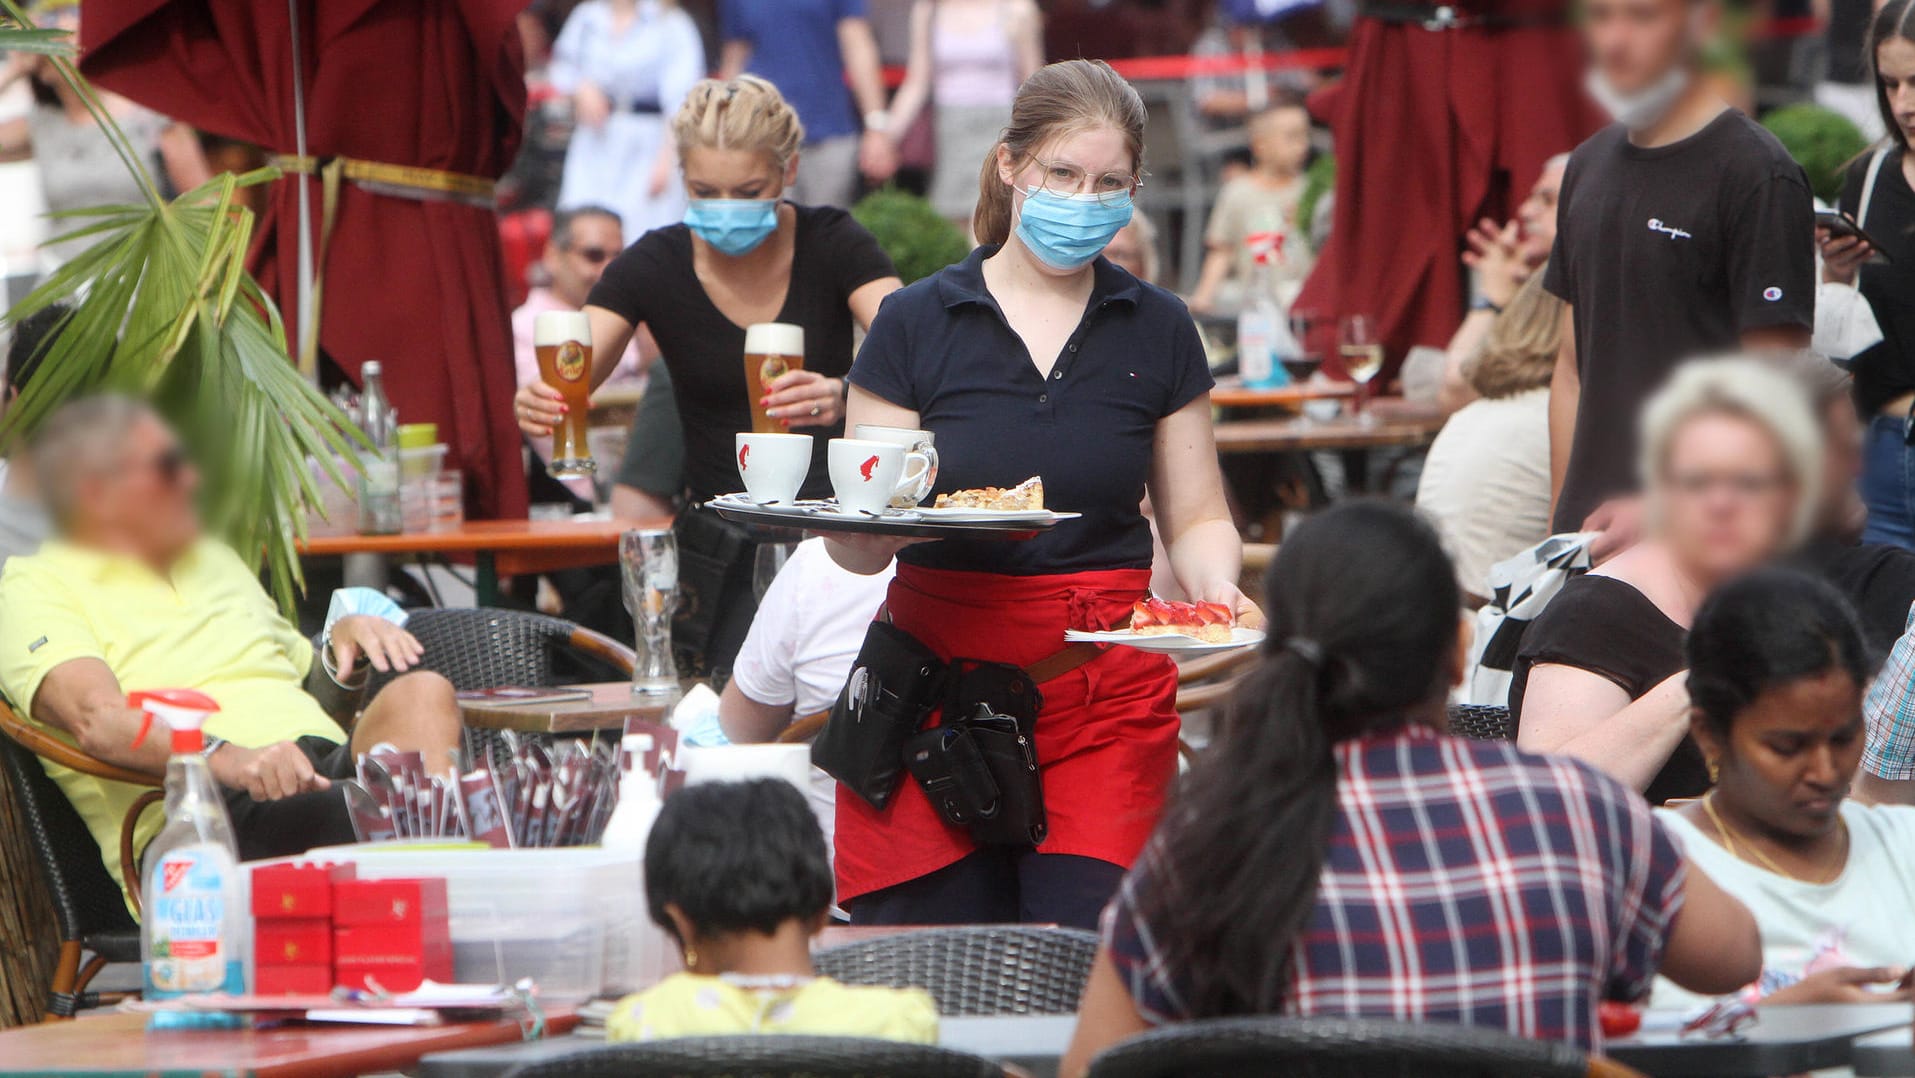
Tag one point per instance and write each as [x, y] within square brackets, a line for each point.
[1437, 124]
[406, 111]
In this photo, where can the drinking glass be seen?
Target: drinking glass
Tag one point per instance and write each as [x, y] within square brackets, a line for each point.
[1362, 355]
[648, 562]
[766, 564]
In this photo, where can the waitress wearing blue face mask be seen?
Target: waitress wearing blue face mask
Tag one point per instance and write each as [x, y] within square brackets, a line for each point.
[741, 256]
[1036, 356]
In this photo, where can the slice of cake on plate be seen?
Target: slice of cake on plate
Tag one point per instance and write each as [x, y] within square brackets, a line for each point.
[1208, 622]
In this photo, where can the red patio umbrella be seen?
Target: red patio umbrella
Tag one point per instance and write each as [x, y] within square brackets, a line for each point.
[419, 102]
[1435, 129]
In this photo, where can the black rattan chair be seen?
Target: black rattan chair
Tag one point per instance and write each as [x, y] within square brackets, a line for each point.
[747, 1056]
[1335, 1048]
[488, 648]
[1482, 722]
[974, 971]
[95, 927]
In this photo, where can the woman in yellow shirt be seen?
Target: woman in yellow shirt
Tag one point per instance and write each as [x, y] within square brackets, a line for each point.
[737, 874]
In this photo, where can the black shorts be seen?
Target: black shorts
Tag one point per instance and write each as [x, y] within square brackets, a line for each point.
[293, 825]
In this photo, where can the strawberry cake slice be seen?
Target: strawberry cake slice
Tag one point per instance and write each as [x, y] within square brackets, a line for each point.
[1208, 622]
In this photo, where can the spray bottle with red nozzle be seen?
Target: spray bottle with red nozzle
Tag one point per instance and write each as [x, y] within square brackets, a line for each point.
[194, 935]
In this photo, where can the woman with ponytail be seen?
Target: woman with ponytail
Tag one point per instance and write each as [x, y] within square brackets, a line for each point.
[1036, 357]
[1334, 853]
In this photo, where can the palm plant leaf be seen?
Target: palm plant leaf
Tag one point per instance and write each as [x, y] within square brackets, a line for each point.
[163, 308]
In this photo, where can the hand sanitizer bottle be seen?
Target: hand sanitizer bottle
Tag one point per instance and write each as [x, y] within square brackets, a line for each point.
[194, 935]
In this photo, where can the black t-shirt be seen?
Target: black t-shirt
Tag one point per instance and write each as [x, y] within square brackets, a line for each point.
[1668, 253]
[1887, 370]
[1607, 627]
[1846, 41]
[653, 282]
[941, 347]
[1878, 579]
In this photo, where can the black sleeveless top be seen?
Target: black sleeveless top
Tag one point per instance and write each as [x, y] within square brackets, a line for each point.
[1608, 628]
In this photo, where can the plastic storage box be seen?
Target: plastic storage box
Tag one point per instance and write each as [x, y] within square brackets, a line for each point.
[569, 919]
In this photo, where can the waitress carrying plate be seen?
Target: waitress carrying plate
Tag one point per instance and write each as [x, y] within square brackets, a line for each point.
[827, 516]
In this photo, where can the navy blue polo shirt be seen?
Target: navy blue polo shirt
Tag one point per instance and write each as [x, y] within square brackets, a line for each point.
[942, 348]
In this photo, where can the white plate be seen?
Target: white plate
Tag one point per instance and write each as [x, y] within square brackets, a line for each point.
[991, 516]
[1168, 643]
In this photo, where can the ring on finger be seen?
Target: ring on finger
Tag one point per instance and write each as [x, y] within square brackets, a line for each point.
[815, 409]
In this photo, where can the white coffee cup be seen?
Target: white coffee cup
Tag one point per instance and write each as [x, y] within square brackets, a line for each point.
[864, 474]
[920, 460]
[773, 466]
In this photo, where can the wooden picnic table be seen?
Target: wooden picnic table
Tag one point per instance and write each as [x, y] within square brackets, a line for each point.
[1397, 425]
[497, 547]
[1232, 393]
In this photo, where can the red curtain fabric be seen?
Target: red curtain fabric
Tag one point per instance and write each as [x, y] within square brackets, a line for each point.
[1435, 129]
[415, 284]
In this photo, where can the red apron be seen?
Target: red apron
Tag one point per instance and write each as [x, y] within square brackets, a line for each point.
[1106, 737]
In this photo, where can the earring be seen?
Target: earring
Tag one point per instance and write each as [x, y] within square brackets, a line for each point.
[691, 958]
[1715, 772]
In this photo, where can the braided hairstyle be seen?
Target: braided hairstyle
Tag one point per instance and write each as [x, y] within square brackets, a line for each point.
[745, 113]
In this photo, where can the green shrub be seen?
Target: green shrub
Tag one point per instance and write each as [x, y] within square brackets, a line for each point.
[1821, 141]
[1318, 180]
[919, 241]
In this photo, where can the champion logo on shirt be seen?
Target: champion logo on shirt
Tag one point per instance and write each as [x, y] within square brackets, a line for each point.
[1772, 293]
[1657, 224]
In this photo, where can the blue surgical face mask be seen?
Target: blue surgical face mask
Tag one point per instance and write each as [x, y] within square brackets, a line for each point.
[1067, 231]
[733, 225]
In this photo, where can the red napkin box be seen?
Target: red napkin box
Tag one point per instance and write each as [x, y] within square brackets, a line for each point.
[392, 931]
[292, 941]
[302, 890]
[292, 980]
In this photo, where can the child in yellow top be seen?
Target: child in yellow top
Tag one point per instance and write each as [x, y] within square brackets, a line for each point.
[737, 873]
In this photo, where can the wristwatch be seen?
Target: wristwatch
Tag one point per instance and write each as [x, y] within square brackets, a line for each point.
[877, 120]
[213, 745]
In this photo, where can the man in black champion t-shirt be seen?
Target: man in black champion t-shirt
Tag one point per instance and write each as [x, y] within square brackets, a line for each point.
[1684, 229]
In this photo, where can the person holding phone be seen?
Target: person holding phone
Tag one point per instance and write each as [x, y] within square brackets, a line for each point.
[1777, 669]
[1879, 196]
[1036, 357]
[741, 256]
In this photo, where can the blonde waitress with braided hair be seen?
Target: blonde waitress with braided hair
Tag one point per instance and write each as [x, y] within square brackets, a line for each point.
[742, 255]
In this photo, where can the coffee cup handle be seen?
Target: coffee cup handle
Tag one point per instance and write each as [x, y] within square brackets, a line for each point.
[920, 474]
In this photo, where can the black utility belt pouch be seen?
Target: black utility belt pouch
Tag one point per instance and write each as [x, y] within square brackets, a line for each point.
[980, 773]
[894, 686]
[712, 551]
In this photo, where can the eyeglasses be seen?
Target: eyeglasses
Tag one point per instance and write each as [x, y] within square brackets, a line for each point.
[595, 255]
[1063, 178]
[169, 464]
[1745, 485]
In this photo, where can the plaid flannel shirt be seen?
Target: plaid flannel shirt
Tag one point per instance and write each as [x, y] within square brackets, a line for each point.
[1890, 710]
[1465, 882]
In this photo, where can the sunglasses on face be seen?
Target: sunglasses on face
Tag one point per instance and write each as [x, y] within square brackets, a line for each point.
[169, 465]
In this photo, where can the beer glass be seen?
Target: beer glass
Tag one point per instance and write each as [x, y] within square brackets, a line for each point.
[771, 350]
[563, 340]
[648, 564]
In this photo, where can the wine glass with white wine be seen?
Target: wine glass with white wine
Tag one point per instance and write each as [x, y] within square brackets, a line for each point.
[1362, 356]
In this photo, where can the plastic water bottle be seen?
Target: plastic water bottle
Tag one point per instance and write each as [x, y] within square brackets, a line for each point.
[379, 508]
[196, 932]
[1261, 330]
[648, 956]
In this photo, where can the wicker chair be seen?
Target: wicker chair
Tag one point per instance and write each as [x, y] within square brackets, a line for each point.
[95, 927]
[488, 648]
[1340, 1048]
[745, 1056]
[1482, 722]
[974, 971]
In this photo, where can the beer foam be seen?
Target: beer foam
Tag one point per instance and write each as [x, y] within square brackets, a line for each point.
[551, 328]
[774, 339]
